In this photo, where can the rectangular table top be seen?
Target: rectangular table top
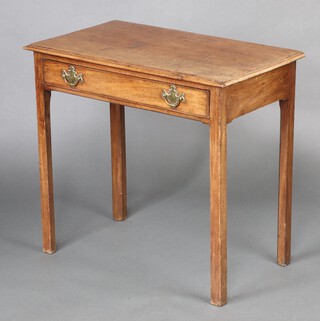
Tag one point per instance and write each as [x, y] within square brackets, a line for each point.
[169, 53]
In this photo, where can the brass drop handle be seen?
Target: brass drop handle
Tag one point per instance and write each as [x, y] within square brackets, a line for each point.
[71, 77]
[172, 96]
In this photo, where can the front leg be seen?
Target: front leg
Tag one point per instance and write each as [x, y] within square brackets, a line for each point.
[45, 160]
[218, 196]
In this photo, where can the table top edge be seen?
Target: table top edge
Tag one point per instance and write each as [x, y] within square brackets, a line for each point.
[166, 73]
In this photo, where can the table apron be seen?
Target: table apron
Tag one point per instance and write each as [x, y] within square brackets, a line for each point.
[128, 90]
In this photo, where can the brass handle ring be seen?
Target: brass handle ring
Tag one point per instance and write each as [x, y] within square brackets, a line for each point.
[172, 96]
[71, 77]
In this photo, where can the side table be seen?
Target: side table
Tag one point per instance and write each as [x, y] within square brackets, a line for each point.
[208, 79]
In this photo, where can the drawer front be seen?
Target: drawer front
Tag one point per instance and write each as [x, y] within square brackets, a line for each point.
[155, 94]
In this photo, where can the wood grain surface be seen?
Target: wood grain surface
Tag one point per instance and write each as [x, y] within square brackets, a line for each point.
[128, 88]
[251, 94]
[169, 53]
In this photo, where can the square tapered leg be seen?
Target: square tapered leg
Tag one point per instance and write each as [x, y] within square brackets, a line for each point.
[45, 161]
[285, 173]
[118, 160]
[218, 197]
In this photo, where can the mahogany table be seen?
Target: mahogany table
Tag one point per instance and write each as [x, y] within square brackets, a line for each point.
[208, 79]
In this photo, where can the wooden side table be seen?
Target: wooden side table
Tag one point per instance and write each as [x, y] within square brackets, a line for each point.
[208, 79]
